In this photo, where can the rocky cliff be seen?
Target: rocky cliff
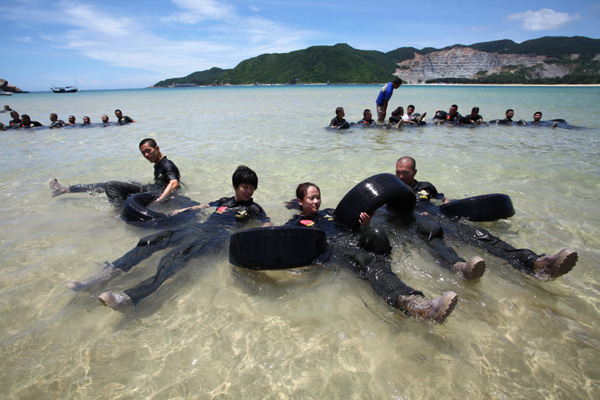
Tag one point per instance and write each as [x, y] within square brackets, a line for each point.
[465, 62]
[5, 87]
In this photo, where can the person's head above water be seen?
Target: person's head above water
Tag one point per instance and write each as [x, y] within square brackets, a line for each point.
[150, 150]
[245, 182]
[308, 196]
[510, 113]
[537, 116]
[105, 118]
[406, 169]
[340, 112]
[53, 117]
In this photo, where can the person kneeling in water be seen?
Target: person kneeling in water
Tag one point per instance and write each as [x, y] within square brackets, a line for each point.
[372, 259]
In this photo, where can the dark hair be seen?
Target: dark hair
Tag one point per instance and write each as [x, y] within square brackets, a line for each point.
[475, 109]
[245, 175]
[25, 116]
[454, 105]
[13, 113]
[410, 105]
[339, 109]
[537, 112]
[149, 141]
[303, 188]
[118, 110]
[397, 111]
[398, 81]
[366, 111]
[510, 109]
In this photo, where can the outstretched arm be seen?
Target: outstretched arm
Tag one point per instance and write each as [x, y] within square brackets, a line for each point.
[172, 186]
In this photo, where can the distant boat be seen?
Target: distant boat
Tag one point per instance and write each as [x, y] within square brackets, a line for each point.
[3, 93]
[66, 89]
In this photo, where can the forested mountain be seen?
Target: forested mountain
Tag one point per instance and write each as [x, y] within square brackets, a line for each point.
[544, 60]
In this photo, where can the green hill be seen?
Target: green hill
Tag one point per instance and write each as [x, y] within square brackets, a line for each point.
[344, 64]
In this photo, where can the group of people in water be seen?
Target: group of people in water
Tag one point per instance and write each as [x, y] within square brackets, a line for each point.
[398, 118]
[24, 121]
[367, 250]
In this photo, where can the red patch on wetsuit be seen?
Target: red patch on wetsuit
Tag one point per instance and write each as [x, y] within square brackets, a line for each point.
[221, 210]
[307, 222]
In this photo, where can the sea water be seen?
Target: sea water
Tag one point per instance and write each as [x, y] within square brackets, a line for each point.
[218, 331]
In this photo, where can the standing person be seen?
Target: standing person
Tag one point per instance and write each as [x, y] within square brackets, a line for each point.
[55, 122]
[193, 241]
[540, 266]
[372, 259]
[122, 119]
[384, 97]
[166, 179]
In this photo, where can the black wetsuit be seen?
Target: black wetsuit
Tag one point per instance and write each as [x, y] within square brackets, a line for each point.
[444, 116]
[432, 225]
[366, 121]
[118, 192]
[469, 119]
[371, 260]
[32, 124]
[57, 124]
[192, 241]
[124, 120]
[337, 121]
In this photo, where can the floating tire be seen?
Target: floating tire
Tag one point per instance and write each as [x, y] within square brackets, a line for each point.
[371, 194]
[135, 209]
[487, 207]
[276, 247]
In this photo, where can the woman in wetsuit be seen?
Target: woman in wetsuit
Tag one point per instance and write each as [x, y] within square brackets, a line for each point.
[372, 259]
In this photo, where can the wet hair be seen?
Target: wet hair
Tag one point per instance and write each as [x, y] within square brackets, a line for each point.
[53, 115]
[397, 111]
[538, 112]
[13, 113]
[398, 81]
[149, 141]
[339, 110]
[455, 106]
[475, 109]
[25, 116]
[366, 111]
[118, 111]
[245, 175]
[409, 106]
[412, 161]
[302, 189]
[510, 109]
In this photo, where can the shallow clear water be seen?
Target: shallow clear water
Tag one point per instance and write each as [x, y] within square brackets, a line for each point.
[218, 331]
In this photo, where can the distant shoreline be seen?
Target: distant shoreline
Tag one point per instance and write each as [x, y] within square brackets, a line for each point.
[383, 83]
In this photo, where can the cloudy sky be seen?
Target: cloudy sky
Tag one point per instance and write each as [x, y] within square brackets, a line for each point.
[135, 43]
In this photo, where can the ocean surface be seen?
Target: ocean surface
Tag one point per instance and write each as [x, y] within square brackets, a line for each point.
[218, 331]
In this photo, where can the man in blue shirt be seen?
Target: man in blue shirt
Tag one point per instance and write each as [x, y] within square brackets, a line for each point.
[384, 97]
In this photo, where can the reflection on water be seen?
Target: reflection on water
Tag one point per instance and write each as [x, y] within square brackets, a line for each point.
[215, 330]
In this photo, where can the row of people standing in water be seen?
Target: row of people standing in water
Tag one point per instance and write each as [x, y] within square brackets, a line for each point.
[452, 117]
[24, 121]
[371, 258]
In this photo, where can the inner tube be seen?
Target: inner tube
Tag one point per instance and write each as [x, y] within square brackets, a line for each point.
[487, 207]
[135, 209]
[371, 194]
[276, 247]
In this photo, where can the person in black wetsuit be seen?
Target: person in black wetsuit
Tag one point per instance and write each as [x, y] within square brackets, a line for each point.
[55, 122]
[192, 241]
[26, 122]
[367, 118]
[396, 119]
[474, 117]
[122, 119]
[537, 121]
[372, 259]
[339, 122]
[452, 116]
[166, 179]
[434, 226]
[15, 122]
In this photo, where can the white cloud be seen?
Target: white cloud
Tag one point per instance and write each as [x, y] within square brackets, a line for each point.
[544, 19]
[194, 11]
[24, 39]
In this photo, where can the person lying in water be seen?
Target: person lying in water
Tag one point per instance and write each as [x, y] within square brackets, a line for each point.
[166, 179]
[431, 229]
[372, 259]
[192, 241]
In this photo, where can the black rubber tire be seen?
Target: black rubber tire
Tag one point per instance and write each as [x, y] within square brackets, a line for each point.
[135, 209]
[276, 247]
[371, 194]
[487, 207]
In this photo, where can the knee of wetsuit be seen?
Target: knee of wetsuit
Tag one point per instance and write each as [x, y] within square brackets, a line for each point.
[154, 239]
[376, 240]
[430, 229]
